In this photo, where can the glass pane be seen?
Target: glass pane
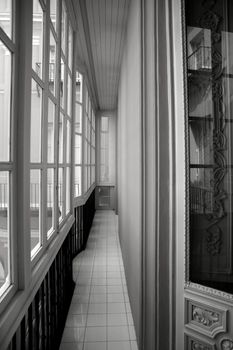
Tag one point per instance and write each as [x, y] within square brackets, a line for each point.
[85, 179]
[69, 96]
[63, 28]
[210, 140]
[60, 193]
[67, 190]
[85, 151]
[89, 176]
[201, 140]
[37, 38]
[87, 101]
[78, 118]
[92, 155]
[6, 16]
[93, 173]
[4, 232]
[68, 144]
[51, 131]
[77, 181]
[50, 201]
[5, 102]
[36, 117]
[52, 63]
[70, 47]
[53, 12]
[62, 84]
[35, 209]
[61, 138]
[79, 86]
[87, 129]
[104, 124]
[88, 154]
[77, 153]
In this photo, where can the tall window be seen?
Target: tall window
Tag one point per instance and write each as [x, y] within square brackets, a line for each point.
[64, 174]
[88, 143]
[37, 116]
[7, 51]
[104, 149]
[50, 159]
[78, 136]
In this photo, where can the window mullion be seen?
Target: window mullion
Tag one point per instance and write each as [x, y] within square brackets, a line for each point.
[44, 144]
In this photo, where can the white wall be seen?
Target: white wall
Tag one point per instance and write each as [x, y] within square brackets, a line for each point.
[129, 160]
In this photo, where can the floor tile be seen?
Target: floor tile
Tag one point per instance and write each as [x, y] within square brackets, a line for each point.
[116, 308]
[71, 346]
[130, 319]
[118, 333]
[119, 345]
[98, 289]
[99, 281]
[115, 298]
[95, 320]
[132, 334]
[115, 289]
[117, 320]
[95, 346]
[134, 345]
[76, 320]
[95, 334]
[82, 289]
[81, 299]
[97, 308]
[98, 298]
[73, 334]
[78, 308]
[114, 282]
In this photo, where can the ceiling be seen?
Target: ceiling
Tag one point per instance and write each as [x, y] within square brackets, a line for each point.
[101, 26]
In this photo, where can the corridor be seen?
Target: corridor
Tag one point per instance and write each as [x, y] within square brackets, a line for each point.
[100, 316]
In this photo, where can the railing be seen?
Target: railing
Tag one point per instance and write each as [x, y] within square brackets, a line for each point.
[42, 326]
[201, 200]
[200, 59]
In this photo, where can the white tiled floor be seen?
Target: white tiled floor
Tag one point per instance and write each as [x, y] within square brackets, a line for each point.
[100, 316]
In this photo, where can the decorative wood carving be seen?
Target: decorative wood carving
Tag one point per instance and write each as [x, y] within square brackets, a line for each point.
[227, 344]
[204, 317]
[196, 345]
[193, 343]
[206, 320]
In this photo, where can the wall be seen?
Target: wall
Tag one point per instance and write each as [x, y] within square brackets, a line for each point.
[129, 161]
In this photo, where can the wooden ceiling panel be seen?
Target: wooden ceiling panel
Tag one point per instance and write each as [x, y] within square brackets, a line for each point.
[104, 24]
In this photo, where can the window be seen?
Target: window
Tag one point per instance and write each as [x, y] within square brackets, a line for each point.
[65, 115]
[6, 16]
[37, 38]
[7, 172]
[50, 123]
[210, 137]
[84, 139]
[104, 149]
[78, 136]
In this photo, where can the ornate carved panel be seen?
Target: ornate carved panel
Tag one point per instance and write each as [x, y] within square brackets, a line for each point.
[193, 343]
[205, 319]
